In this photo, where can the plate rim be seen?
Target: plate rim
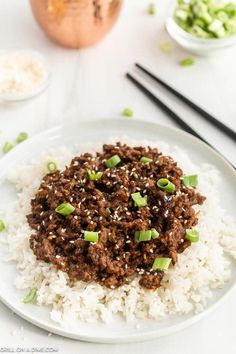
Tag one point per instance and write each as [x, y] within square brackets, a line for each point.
[146, 335]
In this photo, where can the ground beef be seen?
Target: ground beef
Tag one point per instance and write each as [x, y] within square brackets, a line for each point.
[106, 206]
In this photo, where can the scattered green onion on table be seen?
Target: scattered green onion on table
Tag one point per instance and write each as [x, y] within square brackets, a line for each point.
[127, 112]
[206, 18]
[151, 9]
[166, 47]
[2, 226]
[187, 62]
[7, 147]
[21, 137]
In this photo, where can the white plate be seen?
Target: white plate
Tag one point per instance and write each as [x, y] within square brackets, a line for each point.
[99, 131]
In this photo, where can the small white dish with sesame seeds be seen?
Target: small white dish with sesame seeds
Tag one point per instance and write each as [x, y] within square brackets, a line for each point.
[24, 73]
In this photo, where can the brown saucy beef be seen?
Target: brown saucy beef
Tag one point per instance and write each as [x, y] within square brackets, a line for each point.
[106, 206]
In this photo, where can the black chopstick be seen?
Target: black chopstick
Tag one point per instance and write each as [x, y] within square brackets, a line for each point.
[228, 131]
[182, 124]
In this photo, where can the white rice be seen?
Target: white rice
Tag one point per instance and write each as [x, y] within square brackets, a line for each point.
[185, 288]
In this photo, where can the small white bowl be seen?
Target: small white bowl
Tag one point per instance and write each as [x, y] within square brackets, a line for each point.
[15, 97]
[199, 46]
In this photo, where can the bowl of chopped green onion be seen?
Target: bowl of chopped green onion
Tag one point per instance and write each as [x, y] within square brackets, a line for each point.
[203, 26]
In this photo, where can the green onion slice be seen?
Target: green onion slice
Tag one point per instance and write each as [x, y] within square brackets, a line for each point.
[31, 296]
[91, 236]
[190, 181]
[192, 235]
[166, 47]
[113, 161]
[65, 209]
[161, 263]
[143, 235]
[151, 9]
[154, 233]
[145, 159]
[128, 112]
[187, 62]
[139, 201]
[2, 226]
[165, 185]
[52, 166]
[94, 176]
[21, 137]
[136, 196]
[7, 147]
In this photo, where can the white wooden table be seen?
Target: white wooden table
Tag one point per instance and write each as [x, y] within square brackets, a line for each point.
[91, 84]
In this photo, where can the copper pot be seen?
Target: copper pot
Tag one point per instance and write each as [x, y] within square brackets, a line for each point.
[76, 23]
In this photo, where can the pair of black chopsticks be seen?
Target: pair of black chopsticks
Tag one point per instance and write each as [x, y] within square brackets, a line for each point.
[182, 124]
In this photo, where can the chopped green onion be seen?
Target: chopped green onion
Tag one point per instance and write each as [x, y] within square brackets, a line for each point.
[31, 296]
[139, 200]
[145, 159]
[136, 196]
[166, 47]
[191, 180]
[65, 209]
[21, 137]
[151, 9]
[206, 19]
[91, 236]
[113, 161]
[187, 62]
[52, 166]
[154, 233]
[94, 176]
[161, 263]
[128, 112]
[7, 147]
[144, 235]
[192, 235]
[2, 226]
[165, 185]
